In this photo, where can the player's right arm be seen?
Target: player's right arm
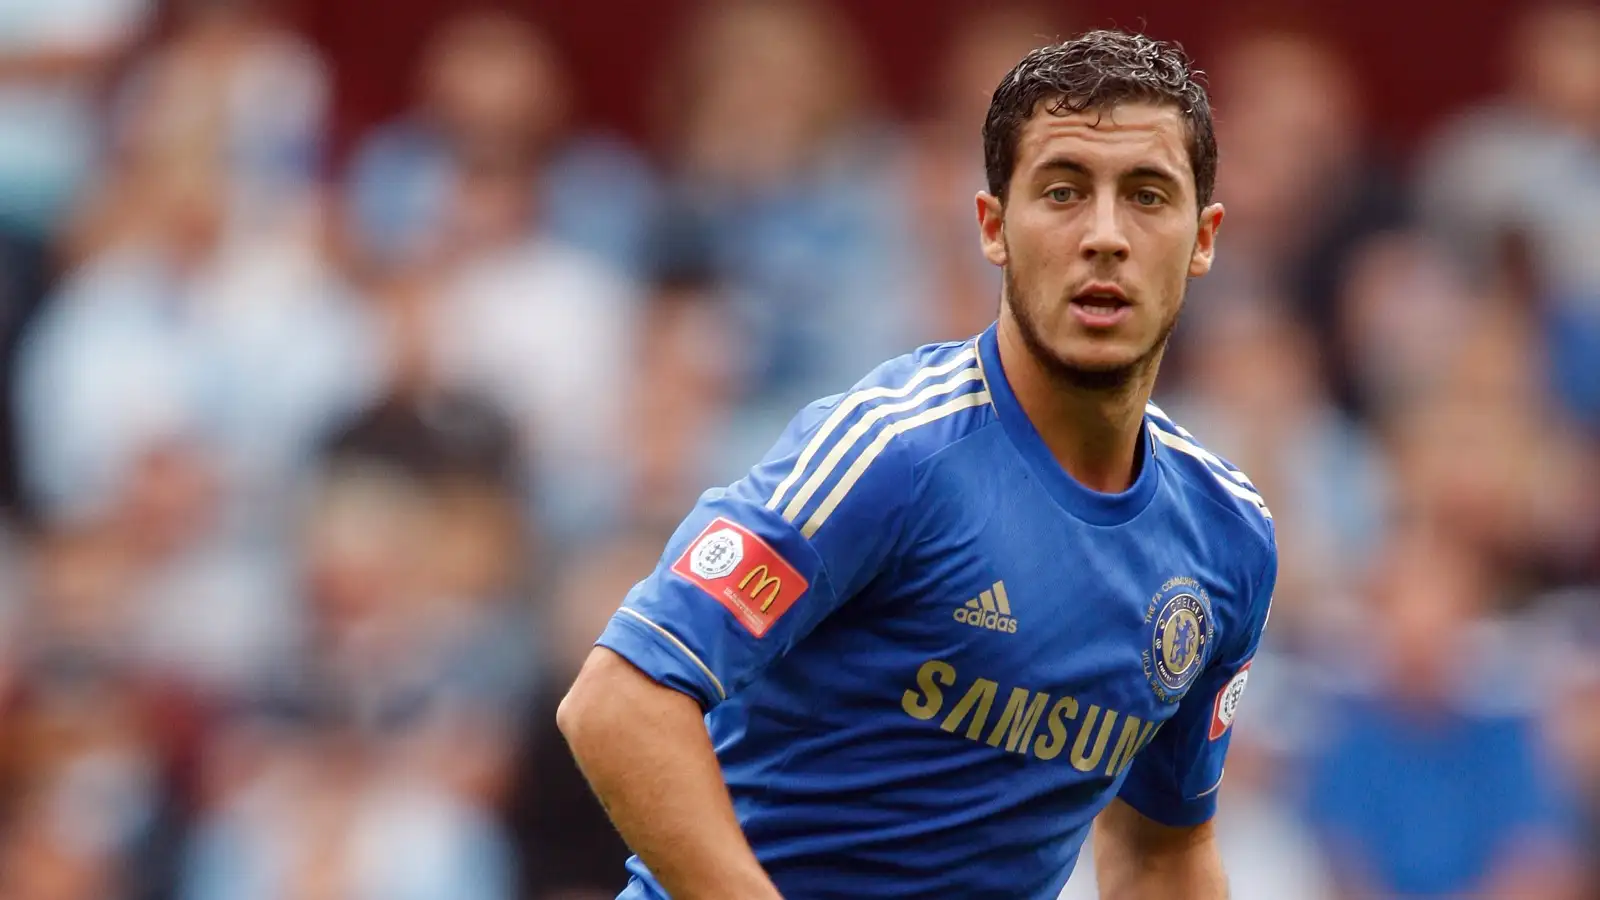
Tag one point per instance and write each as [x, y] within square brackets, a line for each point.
[750, 572]
[646, 753]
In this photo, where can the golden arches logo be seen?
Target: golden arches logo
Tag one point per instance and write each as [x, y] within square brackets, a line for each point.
[763, 582]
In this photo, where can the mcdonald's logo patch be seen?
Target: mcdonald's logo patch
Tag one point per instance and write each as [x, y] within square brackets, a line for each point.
[743, 573]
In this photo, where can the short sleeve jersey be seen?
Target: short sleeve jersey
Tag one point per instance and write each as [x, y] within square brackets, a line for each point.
[929, 657]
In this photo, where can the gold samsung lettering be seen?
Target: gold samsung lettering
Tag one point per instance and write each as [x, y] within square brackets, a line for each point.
[924, 702]
[1088, 763]
[1127, 742]
[1019, 720]
[1050, 747]
[1016, 729]
[981, 695]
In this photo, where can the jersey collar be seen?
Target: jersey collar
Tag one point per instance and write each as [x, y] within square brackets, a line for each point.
[1089, 505]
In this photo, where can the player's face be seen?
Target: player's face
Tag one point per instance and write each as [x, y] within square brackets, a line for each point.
[1098, 236]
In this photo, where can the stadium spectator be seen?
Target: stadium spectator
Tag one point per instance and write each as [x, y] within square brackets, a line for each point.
[1257, 390]
[179, 368]
[1305, 184]
[474, 219]
[772, 139]
[55, 59]
[983, 46]
[234, 95]
[493, 97]
[569, 847]
[1432, 780]
[1526, 168]
[320, 814]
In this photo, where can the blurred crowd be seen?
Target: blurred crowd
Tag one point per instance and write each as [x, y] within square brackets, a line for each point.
[322, 475]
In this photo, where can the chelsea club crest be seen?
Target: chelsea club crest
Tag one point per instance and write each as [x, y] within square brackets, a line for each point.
[1178, 623]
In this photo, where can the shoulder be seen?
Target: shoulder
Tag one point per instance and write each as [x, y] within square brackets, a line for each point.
[913, 405]
[1212, 486]
[861, 447]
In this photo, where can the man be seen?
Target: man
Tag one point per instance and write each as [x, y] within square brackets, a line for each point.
[986, 597]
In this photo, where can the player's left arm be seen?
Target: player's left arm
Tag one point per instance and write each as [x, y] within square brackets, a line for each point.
[1136, 857]
[1156, 838]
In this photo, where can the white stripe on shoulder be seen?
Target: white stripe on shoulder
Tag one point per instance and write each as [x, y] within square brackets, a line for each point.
[865, 424]
[966, 357]
[715, 682]
[874, 449]
[1160, 413]
[1200, 453]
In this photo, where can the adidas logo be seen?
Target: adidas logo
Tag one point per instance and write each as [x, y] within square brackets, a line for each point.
[989, 610]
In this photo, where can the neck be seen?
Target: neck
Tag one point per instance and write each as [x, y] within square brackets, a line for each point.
[1093, 433]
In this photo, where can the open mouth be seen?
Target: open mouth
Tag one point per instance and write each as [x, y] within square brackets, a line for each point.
[1100, 307]
[1100, 303]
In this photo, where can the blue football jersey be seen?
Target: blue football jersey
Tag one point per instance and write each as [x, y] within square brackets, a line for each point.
[929, 657]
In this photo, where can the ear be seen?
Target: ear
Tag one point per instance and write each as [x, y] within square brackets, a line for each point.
[992, 228]
[1205, 241]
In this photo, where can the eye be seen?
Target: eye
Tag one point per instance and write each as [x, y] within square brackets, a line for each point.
[1147, 197]
[1061, 194]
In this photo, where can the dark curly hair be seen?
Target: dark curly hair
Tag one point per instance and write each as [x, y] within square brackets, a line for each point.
[1098, 70]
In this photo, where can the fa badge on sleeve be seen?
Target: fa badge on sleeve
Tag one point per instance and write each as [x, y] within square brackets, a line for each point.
[742, 572]
[1227, 704]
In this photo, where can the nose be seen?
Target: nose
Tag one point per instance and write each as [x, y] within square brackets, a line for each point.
[1105, 236]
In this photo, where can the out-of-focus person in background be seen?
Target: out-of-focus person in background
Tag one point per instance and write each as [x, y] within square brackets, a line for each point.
[983, 45]
[774, 144]
[91, 737]
[1305, 182]
[237, 99]
[570, 849]
[189, 361]
[477, 219]
[55, 59]
[375, 765]
[494, 99]
[1522, 174]
[1526, 499]
[1431, 778]
[1258, 388]
[376, 761]
[323, 814]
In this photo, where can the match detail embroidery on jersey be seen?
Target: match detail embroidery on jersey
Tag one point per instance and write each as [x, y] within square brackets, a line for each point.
[965, 359]
[743, 573]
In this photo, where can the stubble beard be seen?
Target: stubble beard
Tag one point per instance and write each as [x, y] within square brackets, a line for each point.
[1115, 379]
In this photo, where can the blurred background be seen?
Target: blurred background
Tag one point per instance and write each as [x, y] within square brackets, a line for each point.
[358, 355]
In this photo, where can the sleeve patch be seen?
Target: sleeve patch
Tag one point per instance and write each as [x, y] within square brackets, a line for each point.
[743, 573]
[1227, 703]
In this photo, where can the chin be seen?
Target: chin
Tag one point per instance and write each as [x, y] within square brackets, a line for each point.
[1095, 356]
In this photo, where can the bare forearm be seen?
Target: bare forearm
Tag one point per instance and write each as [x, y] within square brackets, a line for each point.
[1138, 860]
[645, 751]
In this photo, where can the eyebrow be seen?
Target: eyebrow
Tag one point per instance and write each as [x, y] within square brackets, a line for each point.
[1145, 172]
